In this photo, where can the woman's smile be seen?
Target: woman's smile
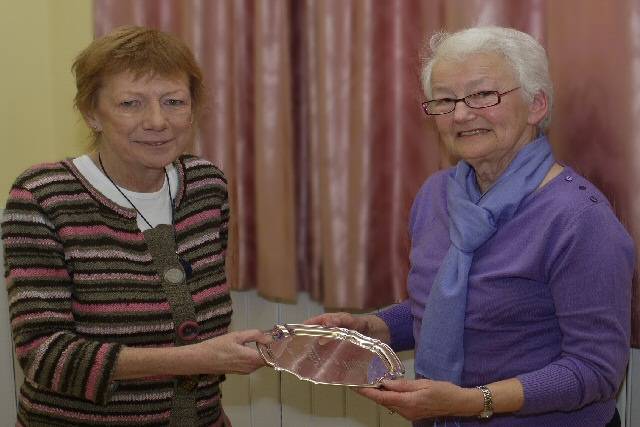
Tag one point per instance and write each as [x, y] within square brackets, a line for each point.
[154, 143]
[472, 132]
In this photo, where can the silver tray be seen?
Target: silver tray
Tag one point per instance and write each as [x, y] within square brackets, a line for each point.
[334, 356]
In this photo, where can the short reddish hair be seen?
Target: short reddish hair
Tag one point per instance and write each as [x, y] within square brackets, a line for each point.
[138, 50]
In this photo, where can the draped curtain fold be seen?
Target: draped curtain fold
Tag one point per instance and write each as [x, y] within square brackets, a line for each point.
[314, 117]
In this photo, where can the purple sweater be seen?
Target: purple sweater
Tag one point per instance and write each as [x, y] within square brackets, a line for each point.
[549, 301]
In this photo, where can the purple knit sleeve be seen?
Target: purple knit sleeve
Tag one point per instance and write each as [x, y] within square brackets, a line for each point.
[400, 322]
[591, 265]
[552, 380]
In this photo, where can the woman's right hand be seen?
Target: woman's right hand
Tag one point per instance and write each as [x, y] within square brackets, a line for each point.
[368, 324]
[224, 354]
[229, 353]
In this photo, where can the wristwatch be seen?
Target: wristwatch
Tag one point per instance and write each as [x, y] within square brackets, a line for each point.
[487, 411]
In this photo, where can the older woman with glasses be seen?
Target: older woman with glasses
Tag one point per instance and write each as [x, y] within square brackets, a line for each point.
[520, 280]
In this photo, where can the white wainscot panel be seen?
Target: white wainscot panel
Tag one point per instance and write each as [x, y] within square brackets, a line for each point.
[274, 399]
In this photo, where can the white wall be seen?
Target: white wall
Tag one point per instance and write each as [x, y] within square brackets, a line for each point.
[629, 398]
[272, 399]
[269, 398]
[265, 398]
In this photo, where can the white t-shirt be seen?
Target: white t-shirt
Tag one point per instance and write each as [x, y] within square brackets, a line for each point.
[155, 206]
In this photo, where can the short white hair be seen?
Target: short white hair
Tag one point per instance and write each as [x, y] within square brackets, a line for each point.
[522, 52]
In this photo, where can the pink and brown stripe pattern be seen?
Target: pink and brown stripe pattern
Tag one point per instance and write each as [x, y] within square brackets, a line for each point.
[82, 284]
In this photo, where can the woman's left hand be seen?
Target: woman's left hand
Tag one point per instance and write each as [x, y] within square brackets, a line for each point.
[419, 399]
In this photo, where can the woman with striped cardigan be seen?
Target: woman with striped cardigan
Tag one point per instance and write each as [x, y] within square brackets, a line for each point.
[115, 260]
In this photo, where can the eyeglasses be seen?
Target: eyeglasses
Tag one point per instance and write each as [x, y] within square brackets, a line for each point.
[484, 99]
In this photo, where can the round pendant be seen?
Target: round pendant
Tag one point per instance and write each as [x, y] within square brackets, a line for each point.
[174, 275]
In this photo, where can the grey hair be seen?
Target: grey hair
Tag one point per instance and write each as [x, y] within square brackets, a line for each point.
[526, 56]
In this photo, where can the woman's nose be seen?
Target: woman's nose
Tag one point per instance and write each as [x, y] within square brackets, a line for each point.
[154, 118]
[463, 112]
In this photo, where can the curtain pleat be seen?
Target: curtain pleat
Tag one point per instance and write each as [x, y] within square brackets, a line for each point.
[274, 154]
[227, 129]
[314, 116]
[333, 151]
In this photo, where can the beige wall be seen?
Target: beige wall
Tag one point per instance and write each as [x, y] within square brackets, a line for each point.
[38, 41]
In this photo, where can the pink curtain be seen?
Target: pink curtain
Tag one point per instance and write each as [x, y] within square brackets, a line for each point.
[314, 116]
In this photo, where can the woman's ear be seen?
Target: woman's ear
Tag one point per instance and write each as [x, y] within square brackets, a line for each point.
[93, 122]
[538, 108]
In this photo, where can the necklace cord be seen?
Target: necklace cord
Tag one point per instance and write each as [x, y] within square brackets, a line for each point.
[130, 202]
[186, 265]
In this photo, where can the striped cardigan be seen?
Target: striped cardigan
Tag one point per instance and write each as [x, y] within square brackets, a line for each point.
[82, 284]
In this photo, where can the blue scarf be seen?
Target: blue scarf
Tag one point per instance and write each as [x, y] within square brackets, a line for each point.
[473, 219]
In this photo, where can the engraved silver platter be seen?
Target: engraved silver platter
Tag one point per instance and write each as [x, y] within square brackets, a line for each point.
[334, 356]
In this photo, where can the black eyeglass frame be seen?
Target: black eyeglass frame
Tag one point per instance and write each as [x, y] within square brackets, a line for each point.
[464, 99]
